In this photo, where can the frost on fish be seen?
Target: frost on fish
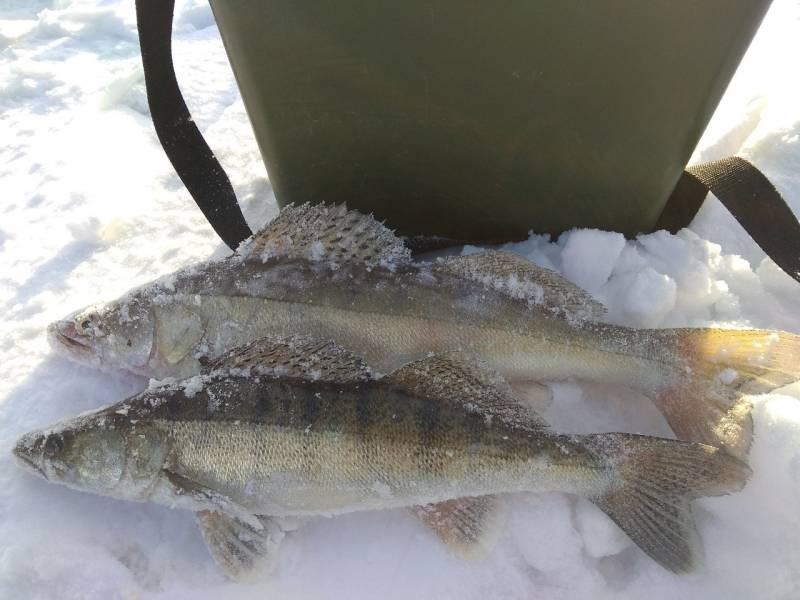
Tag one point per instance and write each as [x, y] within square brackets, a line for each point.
[328, 234]
[193, 385]
[440, 437]
[520, 278]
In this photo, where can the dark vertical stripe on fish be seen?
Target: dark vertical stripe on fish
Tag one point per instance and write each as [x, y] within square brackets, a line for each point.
[363, 410]
[311, 408]
[286, 401]
[475, 424]
[427, 418]
[263, 406]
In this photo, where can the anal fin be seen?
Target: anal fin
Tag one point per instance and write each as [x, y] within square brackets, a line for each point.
[242, 551]
[469, 526]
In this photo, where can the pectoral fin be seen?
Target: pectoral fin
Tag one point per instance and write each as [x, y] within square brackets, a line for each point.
[187, 487]
[469, 526]
[243, 552]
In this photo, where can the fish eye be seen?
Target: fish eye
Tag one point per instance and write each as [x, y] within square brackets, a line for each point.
[88, 325]
[83, 325]
[53, 445]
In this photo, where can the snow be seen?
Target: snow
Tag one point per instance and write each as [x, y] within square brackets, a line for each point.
[193, 385]
[589, 255]
[91, 208]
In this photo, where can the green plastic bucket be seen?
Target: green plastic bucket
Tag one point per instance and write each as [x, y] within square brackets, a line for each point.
[479, 120]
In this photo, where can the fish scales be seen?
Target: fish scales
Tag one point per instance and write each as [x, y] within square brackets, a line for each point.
[356, 449]
[394, 319]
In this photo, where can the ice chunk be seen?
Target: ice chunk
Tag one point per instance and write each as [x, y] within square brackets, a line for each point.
[589, 256]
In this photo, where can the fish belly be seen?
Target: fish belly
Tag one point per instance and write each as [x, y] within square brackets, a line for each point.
[287, 472]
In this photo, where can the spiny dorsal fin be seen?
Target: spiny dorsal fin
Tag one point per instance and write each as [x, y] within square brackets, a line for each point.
[242, 551]
[456, 377]
[522, 279]
[328, 234]
[469, 526]
[295, 356]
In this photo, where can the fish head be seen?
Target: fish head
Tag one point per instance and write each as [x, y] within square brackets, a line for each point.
[86, 453]
[117, 335]
[100, 452]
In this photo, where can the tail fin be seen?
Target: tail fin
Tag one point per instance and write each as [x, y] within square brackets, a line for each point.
[652, 484]
[706, 400]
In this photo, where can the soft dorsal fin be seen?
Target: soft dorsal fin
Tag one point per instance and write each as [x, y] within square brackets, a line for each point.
[328, 234]
[522, 279]
[456, 377]
[469, 526]
[295, 356]
[242, 551]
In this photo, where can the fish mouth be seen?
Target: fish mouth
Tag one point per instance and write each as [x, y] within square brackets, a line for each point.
[72, 343]
[28, 462]
[63, 334]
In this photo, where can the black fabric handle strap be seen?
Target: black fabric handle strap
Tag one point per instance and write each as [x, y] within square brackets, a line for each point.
[740, 186]
[751, 199]
[186, 149]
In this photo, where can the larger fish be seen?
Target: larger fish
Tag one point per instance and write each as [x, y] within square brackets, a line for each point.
[332, 274]
[243, 448]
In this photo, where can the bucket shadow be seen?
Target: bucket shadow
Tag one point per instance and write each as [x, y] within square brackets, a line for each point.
[58, 388]
[53, 272]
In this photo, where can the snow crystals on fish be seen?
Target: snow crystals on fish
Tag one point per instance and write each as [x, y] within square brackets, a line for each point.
[524, 280]
[193, 385]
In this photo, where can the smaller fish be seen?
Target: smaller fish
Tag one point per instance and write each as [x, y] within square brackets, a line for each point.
[293, 427]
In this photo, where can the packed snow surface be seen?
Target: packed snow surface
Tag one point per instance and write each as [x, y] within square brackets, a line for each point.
[91, 207]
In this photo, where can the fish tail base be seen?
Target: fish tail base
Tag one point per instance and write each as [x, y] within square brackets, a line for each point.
[718, 369]
[653, 481]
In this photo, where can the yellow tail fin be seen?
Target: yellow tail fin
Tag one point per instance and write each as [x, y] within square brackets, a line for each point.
[706, 399]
